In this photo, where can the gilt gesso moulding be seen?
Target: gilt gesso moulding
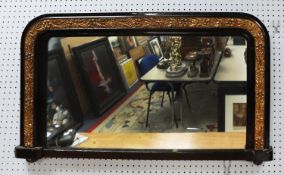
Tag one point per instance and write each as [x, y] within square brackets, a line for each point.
[194, 21]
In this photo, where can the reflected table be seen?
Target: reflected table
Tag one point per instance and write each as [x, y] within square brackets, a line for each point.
[159, 75]
[231, 77]
[233, 68]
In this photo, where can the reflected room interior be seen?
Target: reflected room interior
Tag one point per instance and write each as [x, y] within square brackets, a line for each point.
[147, 92]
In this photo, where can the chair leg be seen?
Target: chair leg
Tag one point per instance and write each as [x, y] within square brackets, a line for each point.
[162, 103]
[169, 95]
[173, 108]
[186, 95]
[148, 110]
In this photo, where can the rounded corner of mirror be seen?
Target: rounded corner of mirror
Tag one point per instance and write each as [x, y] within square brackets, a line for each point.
[34, 21]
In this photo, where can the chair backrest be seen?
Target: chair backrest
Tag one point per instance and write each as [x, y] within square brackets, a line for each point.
[147, 63]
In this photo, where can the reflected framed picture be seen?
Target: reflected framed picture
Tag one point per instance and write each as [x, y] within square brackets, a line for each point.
[63, 111]
[137, 53]
[141, 40]
[100, 73]
[147, 49]
[116, 47]
[129, 72]
[156, 47]
[235, 113]
[127, 43]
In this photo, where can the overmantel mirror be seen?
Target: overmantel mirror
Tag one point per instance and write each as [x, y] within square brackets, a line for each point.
[188, 86]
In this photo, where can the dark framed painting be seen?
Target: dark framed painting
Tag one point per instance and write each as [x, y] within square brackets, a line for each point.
[100, 73]
[63, 111]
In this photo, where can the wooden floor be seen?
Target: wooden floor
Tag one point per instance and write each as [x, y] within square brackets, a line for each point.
[212, 140]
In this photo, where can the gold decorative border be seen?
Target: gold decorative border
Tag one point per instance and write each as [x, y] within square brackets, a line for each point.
[146, 22]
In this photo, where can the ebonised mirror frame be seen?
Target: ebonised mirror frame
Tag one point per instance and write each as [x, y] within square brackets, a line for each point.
[33, 61]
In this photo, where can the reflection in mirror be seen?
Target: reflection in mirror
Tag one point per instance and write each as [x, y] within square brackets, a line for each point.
[147, 92]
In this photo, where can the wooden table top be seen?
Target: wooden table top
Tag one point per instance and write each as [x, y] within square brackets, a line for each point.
[210, 140]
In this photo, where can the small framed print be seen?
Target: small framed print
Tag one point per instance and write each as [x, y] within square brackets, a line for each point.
[127, 43]
[141, 40]
[147, 49]
[156, 47]
[235, 113]
[121, 45]
[128, 71]
[116, 46]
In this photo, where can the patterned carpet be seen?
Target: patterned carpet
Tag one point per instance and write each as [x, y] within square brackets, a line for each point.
[130, 116]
